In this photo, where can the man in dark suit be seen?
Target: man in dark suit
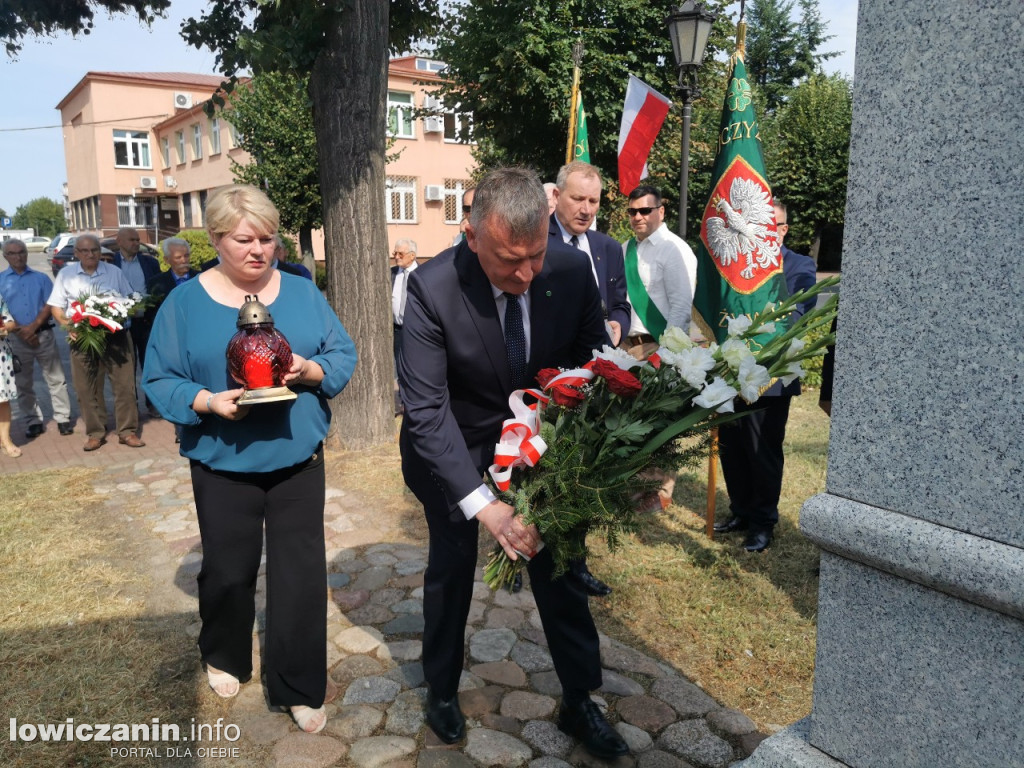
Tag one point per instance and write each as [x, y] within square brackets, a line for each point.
[139, 268]
[577, 196]
[480, 320]
[751, 448]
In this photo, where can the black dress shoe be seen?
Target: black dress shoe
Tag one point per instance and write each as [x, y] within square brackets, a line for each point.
[65, 428]
[591, 584]
[757, 541]
[33, 431]
[585, 722]
[445, 718]
[730, 525]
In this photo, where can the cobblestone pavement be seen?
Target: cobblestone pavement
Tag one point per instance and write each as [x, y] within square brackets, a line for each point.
[509, 691]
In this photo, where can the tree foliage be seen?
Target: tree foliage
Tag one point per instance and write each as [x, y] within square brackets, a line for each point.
[273, 116]
[807, 151]
[21, 18]
[511, 66]
[780, 50]
[42, 214]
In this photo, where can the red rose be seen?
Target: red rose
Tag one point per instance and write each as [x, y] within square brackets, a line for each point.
[545, 375]
[566, 396]
[654, 360]
[93, 322]
[620, 382]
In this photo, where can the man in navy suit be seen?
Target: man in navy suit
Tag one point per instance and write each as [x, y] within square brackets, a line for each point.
[577, 197]
[480, 320]
[139, 268]
[751, 448]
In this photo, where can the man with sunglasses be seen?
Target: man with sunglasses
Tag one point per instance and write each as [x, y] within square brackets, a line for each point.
[661, 272]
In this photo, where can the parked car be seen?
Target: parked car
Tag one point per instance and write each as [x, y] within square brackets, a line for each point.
[36, 244]
[58, 242]
[66, 255]
[110, 243]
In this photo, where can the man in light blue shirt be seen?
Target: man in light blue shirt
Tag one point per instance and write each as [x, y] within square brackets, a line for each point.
[90, 276]
[25, 290]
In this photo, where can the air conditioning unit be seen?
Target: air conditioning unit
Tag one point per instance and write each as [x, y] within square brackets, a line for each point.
[431, 102]
[147, 182]
[182, 100]
[433, 192]
[170, 182]
[433, 124]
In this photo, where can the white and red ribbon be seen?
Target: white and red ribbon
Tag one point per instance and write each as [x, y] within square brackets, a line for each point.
[79, 313]
[520, 444]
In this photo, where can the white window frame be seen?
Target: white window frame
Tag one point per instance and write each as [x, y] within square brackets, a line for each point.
[215, 136]
[402, 189]
[400, 115]
[455, 119]
[197, 141]
[179, 141]
[136, 149]
[455, 188]
[165, 151]
[131, 212]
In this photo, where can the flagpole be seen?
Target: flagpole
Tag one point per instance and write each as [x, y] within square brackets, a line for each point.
[709, 514]
[577, 60]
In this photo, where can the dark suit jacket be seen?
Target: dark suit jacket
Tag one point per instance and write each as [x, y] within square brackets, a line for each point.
[454, 373]
[284, 266]
[800, 274]
[611, 272]
[158, 287]
[150, 266]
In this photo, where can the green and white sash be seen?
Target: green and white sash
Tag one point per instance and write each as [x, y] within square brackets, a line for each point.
[646, 310]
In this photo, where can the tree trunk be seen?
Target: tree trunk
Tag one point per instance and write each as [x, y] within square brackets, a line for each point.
[348, 87]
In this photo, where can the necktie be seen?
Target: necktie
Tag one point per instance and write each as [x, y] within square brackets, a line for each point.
[515, 340]
[574, 241]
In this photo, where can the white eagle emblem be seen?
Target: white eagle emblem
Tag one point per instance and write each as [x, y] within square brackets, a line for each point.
[745, 227]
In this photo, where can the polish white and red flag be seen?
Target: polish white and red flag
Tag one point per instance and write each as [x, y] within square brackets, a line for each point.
[642, 116]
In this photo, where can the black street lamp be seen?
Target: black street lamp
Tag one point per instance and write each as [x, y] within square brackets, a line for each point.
[689, 26]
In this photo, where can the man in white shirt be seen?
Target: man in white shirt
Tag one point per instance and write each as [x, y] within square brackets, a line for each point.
[90, 276]
[661, 272]
[661, 275]
[405, 263]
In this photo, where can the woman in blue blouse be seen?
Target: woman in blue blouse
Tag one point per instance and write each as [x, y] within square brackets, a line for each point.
[254, 466]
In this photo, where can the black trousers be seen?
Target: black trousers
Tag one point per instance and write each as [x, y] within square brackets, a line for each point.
[448, 591]
[139, 331]
[752, 460]
[233, 509]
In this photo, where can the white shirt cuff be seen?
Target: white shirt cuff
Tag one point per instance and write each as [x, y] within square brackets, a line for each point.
[476, 500]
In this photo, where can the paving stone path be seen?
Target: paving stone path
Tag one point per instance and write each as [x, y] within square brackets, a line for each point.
[509, 691]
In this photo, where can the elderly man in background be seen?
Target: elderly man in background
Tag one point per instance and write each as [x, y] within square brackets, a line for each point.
[405, 263]
[138, 268]
[549, 190]
[177, 253]
[33, 340]
[90, 276]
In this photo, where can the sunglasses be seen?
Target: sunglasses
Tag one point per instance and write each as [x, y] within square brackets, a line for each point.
[642, 211]
[467, 208]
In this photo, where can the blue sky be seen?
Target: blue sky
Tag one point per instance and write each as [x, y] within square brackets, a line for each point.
[31, 143]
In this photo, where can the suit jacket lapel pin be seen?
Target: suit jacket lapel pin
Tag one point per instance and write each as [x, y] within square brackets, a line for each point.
[548, 294]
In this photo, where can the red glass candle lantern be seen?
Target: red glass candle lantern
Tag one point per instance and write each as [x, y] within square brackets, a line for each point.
[259, 355]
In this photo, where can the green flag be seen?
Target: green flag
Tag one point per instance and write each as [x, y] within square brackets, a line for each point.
[739, 261]
[581, 149]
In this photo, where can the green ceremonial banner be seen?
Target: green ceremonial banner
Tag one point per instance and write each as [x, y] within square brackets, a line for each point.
[581, 149]
[739, 261]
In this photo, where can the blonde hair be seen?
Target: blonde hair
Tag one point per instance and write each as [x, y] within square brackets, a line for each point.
[228, 205]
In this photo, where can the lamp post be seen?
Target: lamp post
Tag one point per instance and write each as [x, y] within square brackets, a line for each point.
[689, 26]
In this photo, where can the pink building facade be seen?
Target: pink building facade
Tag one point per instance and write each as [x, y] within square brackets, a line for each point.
[140, 152]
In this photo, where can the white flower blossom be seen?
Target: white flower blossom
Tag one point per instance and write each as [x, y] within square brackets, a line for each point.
[793, 371]
[766, 328]
[738, 326]
[675, 339]
[734, 352]
[796, 346]
[717, 395]
[620, 357]
[692, 364]
[752, 377]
